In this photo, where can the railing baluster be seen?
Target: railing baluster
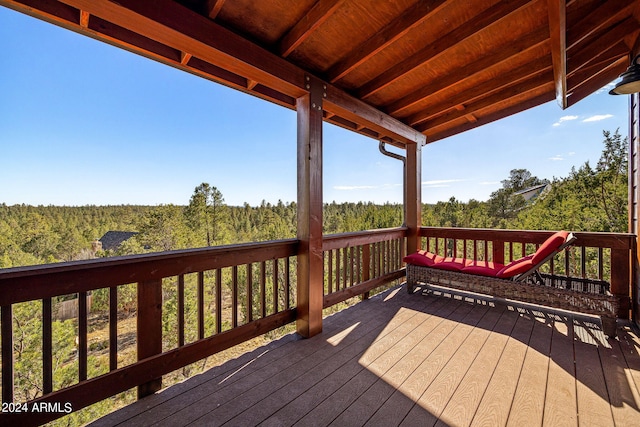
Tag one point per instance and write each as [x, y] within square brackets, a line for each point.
[345, 267]
[181, 310]
[47, 347]
[6, 326]
[200, 301]
[287, 282]
[600, 264]
[82, 335]
[351, 265]
[275, 285]
[583, 261]
[218, 300]
[263, 289]
[234, 296]
[330, 272]
[337, 273]
[113, 328]
[249, 294]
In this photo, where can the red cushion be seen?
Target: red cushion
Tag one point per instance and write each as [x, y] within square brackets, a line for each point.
[482, 268]
[516, 267]
[549, 246]
[452, 264]
[423, 258]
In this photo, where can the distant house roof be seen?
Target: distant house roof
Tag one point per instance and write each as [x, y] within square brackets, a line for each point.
[533, 192]
[113, 239]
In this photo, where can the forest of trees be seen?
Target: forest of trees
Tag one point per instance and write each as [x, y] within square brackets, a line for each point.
[591, 198]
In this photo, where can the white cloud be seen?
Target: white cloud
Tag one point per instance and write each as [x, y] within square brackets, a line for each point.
[489, 182]
[556, 158]
[607, 88]
[571, 153]
[353, 187]
[597, 118]
[564, 119]
[438, 183]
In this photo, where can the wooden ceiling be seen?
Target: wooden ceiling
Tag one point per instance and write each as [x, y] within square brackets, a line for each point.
[394, 70]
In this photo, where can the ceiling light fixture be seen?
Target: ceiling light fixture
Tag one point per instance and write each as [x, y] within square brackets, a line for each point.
[630, 82]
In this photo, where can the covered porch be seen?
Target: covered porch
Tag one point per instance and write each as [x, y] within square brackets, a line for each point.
[414, 73]
[400, 359]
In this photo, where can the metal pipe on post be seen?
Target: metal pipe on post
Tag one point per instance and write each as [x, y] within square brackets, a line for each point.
[403, 159]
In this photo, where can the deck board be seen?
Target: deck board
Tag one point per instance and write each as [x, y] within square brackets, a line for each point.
[399, 359]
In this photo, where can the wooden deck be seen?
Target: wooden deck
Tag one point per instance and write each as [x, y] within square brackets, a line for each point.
[400, 359]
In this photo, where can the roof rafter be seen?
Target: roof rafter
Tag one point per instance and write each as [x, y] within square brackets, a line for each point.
[383, 38]
[612, 55]
[598, 80]
[319, 13]
[171, 26]
[481, 21]
[558, 32]
[533, 102]
[531, 40]
[612, 36]
[510, 91]
[516, 75]
[601, 18]
[214, 7]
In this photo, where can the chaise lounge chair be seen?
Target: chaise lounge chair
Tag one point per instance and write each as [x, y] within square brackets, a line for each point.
[519, 280]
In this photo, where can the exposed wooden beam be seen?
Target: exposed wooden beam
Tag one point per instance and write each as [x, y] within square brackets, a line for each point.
[383, 38]
[167, 23]
[531, 40]
[471, 118]
[174, 25]
[214, 7]
[481, 21]
[480, 90]
[84, 19]
[350, 108]
[612, 55]
[606, 39]
[512, 91]
[558, 32]
[316, 16]
[533, 102]
[601, 18]
[251, 84]
[584, 76]
[597, 81]
[185, 57]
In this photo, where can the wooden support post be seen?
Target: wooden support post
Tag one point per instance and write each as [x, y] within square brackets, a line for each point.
[6, 326]
[414, 196]
[621, 279]
[149, 328]
[634, 194]
[310, 265]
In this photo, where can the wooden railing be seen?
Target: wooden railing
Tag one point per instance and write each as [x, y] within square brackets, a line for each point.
[234, 293]
[215, 298]
[356, 263]
[602, 256]
[218, 297]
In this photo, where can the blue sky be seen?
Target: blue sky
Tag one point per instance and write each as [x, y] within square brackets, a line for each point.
[82, 122]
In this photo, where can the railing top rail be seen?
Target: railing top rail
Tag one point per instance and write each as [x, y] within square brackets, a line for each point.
[335, 241]
[43, 281]
[589, 239]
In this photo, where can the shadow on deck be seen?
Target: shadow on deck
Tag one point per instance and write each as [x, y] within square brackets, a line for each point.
[400, 359]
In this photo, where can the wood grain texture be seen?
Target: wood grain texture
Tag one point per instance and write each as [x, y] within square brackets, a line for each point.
[397, 358]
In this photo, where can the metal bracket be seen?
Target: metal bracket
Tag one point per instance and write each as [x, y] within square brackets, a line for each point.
[317, 89]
